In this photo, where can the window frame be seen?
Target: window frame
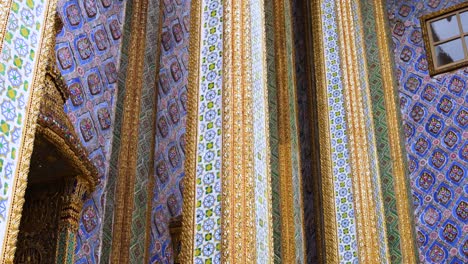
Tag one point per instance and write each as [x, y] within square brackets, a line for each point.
[430, 44]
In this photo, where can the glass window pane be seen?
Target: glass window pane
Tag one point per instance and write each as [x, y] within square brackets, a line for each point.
[464, 21]
[445, 28]
[449, 52]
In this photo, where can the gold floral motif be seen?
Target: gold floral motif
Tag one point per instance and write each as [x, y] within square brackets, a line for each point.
[408, 249]
[45, 49]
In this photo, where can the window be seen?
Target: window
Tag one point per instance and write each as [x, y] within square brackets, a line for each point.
[446, 38]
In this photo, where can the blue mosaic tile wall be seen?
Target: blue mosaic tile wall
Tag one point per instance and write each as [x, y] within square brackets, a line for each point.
[87, 52]
[435, 121]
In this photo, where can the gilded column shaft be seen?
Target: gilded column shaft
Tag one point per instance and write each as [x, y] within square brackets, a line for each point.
[238, 201]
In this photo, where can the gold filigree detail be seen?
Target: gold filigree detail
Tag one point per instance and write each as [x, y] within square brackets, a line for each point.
[125, 188]
[408, 249]
[45, 51]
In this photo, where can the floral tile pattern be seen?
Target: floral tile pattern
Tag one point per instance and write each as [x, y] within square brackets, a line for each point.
[346, 222]
[18, 56]
[434, 112]
[208, 176]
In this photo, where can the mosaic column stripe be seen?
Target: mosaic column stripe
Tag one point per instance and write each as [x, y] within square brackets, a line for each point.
[273, 129]
[339, 218]
[201, 235]
[125, 189]
[25, 48]
[264, 225]
[294, 138]
[110, 190]
[144, 185]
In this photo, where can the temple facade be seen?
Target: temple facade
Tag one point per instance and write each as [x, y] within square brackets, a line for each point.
[234, 131]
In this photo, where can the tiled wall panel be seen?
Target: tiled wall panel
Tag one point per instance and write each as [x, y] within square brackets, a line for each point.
[87, 52]
[434, 111]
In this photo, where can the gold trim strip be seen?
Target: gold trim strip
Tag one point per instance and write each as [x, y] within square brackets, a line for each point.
[190, 163]
[366, 225]
[45, 50]
[401, 186]
[128, 150]
[238, 178]
[330, 231]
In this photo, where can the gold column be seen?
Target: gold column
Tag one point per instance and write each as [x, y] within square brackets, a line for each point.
[238, 204]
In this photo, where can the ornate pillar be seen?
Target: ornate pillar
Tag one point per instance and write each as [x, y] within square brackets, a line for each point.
[360, 150]
[227, 200]
[73, 195]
